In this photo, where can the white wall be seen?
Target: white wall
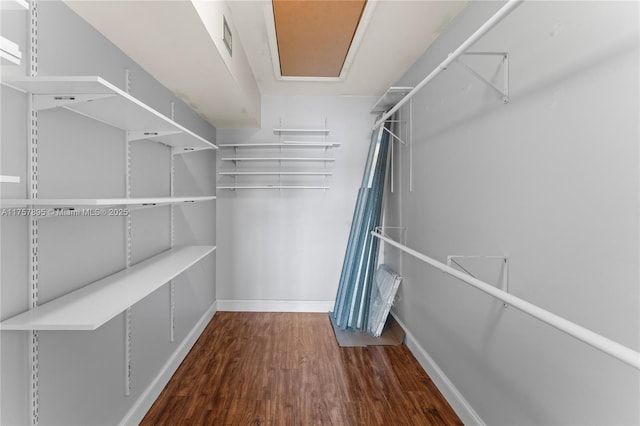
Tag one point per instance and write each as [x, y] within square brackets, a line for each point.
[289, 245]
[81, 373]
[551, 180]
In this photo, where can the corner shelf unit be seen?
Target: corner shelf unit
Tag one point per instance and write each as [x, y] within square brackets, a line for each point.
[292, 177]
[96, 98]
[93, 305]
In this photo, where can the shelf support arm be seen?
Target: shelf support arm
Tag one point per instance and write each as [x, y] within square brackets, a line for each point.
[504, 92]
[396, 137]
[505, 10]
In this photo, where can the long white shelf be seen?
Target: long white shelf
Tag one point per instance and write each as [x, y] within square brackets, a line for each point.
[322, 159]
[14, 5]
[273, 187]
[285, 144]
[96, 98]
[302, 131]
[96, 202]
[9, 179]
[391, 97]
[265, 173]
[93, 305]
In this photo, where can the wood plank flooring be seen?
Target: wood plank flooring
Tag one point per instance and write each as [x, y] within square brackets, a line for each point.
[252, 368]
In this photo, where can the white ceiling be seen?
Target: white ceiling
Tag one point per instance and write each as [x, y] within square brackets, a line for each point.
[177, 42]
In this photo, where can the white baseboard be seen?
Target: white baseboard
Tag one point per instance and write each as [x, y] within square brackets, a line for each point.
[137, 412]
[455, 399]
[275, 305]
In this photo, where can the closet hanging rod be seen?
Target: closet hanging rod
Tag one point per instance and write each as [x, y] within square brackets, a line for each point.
[608, 346]
[486, 27]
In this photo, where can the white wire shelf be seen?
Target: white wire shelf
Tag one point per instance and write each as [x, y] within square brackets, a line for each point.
[96, 98]
[322, 131]
[14, 5]
[391, 97]
[273, 187]
[284, 144]
[276, 173]
[9, 179]
[99, 202]
[321, 159]
[93, 305]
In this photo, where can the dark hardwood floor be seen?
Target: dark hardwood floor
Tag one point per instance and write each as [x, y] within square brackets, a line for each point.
[287, 369]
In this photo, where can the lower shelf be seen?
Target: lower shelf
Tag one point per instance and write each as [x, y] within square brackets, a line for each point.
[93, 305]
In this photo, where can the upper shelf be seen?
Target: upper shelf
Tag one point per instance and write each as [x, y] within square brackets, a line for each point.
[390, 98]
[96, 98]
[322, 131]
[285, 144]
[14, 5]
[99, 202]
[9, 179]
[93, 305]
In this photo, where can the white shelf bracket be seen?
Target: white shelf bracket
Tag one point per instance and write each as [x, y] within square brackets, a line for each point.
[403, 229]
[185, 150]
[42, 102]
[396, 137]
[502, 92]
[136, 135]
[504, 277]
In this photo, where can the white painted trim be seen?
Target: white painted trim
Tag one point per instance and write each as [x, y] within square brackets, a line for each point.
[358, 36]
[139, 409]
[275, 305]
[272, 38]
[460, 405]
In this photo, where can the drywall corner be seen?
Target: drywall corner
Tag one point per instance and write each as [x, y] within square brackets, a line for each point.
[139, 409]
[460, 405]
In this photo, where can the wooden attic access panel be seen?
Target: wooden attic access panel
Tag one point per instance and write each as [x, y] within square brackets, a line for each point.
[314, 36]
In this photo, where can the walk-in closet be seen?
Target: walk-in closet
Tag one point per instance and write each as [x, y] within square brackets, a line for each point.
[319, 212]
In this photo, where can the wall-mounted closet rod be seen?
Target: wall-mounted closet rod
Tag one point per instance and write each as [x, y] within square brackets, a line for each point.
[608, 346]
[486, 27]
